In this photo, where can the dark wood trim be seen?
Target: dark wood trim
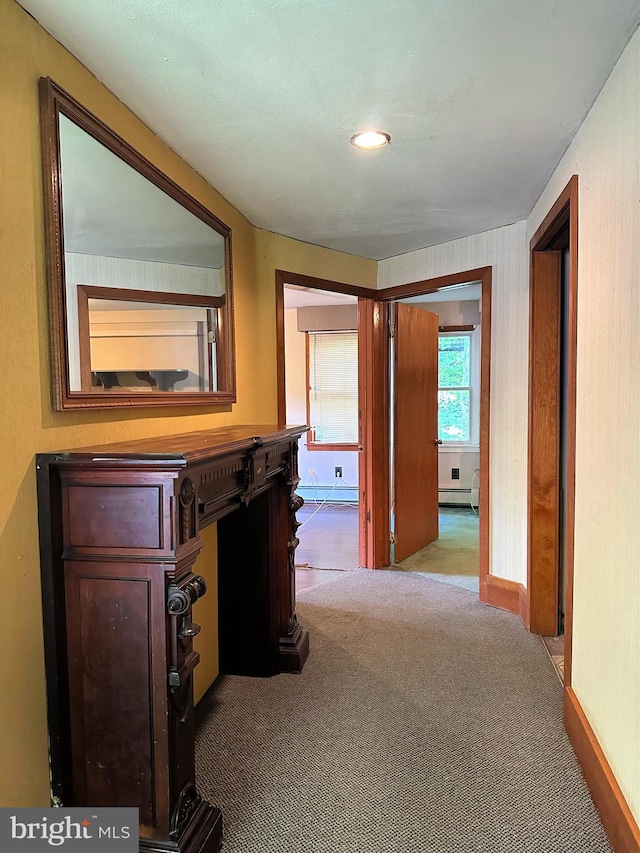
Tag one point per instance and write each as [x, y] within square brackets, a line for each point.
[563, 213]
[524, 606]
[618, 821]
[92, 291]
[300, 280]
[55, 101]
[431, 285]
[556, 219]
[281, 380]
[373, 319]
[84, 340]
[316, 445]
[543, 505]
[484, 500]
[446, 329]
[364, 360]
[307, 375]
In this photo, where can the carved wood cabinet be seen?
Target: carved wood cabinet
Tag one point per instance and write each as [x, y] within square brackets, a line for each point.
[119, 538]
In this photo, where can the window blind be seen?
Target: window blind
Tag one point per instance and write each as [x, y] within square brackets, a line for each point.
[333, 387]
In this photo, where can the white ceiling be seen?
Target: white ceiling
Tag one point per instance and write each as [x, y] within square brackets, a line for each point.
[452, 293]
[296, 296]
[481, 98]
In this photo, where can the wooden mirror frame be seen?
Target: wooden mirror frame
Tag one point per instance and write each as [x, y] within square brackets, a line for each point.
[54, 101]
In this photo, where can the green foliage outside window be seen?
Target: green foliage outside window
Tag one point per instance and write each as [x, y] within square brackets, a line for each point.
[454, 381]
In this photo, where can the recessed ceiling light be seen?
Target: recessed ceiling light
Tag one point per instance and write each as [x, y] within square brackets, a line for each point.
[370, 139]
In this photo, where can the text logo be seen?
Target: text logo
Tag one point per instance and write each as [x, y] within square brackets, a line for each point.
[76, 830]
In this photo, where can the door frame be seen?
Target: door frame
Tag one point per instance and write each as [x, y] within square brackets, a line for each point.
[368, 509]
[544, 479]
[491, 590]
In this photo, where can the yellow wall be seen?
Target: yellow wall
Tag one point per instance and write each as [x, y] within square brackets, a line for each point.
[27, 423]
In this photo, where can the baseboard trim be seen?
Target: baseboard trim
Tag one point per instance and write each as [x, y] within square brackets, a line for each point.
[619, 823]
[502, 593]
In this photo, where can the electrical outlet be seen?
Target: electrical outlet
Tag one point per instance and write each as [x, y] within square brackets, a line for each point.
[338, 471]
[455, 473]
[311, 472]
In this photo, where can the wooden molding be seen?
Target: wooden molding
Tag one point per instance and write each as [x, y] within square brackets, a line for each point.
[446, 329]
[524, 606]
[543, 503]
[374, 473]
[542, 576]
[316, 445]
[484, 502]
[432, 285]
[619, 823]
[281, 384]
[297, 278]
[502, 593]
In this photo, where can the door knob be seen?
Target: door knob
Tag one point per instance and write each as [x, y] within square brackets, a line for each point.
[437, 441]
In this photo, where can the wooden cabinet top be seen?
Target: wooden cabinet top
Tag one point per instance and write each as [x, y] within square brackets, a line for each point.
[188, 447]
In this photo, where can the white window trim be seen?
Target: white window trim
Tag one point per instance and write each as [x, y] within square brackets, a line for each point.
[473, 445]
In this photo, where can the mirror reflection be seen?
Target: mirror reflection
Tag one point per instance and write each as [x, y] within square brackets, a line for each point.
[121, 231]
[134, 344]
[139, 272]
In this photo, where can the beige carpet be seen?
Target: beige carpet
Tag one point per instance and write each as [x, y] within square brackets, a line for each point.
[424, 722]
[454, 556]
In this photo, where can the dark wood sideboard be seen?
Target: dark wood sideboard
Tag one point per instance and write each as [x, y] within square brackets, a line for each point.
[119, 538]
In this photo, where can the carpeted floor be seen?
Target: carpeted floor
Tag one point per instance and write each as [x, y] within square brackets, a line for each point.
[423, 722]
[454, 556]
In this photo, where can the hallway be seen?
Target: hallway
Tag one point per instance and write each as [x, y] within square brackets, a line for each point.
[423, 722]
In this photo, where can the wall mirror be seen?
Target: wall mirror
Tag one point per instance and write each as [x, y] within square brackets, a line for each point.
[140, 284]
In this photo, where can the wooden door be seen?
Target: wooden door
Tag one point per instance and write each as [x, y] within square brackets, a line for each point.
[415, 402]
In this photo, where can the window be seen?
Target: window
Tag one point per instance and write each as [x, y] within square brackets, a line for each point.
[333, 388]
[454, 387]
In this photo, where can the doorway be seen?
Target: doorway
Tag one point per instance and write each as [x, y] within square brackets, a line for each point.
[552, 394]
[320, 369]
[374, 396]
[491, 590]
[435, 395]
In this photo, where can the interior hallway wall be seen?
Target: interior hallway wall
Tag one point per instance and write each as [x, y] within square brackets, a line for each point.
[505, 249]
[606, 600]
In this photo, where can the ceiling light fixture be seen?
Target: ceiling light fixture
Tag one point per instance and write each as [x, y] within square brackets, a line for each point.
[370, 139]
